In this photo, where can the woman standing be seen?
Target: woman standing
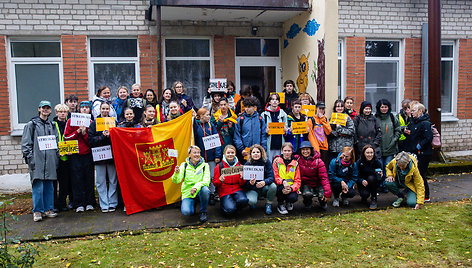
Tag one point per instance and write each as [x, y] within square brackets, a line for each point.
[348, 104]
[343, 176]
[151, 97]
[194, 174]
[224, 119]
[287, 179]
[370, 175]
[107, 194]
[404, 117]
[103, 95]
[367, 130]
[120, 102]
[129, 119]
[42, 163]
[185, 101]
[63, 169]
[149, 116]
[266, 187]
[162, 107]
[232, 196]
[341, 135]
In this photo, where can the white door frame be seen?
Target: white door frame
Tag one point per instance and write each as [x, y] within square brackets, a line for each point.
[258, 62]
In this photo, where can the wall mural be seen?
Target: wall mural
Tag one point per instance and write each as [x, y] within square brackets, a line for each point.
[320, 77]
[311, 27]
[294, 30]
[302, 80]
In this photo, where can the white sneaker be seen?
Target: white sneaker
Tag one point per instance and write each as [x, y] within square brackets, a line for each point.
[37, 216]
[281, 209]
[89, 208]
[111, 209]
[50, 214]
[124, 209]
[289, 206]
[345, 202]
[104, 210]
[336, 202]
[79, 209]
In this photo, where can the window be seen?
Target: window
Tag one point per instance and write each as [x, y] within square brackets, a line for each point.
[113, 63]
[447, 77]
[340, 69]
[35, 72]
[382, 67]
[189, 61]
[255, 47]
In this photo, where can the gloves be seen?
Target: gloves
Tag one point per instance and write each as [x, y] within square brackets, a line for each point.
[418, 147]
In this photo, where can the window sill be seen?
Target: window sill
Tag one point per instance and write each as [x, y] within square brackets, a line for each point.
[17, 133]
[449, 118]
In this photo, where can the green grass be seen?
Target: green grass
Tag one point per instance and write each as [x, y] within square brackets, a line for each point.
[437, 235]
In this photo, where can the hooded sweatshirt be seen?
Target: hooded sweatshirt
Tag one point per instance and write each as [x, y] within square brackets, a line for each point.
[367, 131]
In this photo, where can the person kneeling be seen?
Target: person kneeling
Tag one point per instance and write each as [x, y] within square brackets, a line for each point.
[195, 174]
[287, 178]
[343, 176]
[403, 173]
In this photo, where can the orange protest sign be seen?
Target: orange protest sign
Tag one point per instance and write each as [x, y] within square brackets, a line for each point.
[105, 123]
[276, 128]
[338, 118]
[308, 110]
[299, 127]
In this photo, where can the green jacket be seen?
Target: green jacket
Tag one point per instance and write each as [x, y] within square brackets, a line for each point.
[195, 177]
[391, 132]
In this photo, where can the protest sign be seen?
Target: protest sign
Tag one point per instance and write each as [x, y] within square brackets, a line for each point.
[276, 128]
[68, 147]
[253, 172]
[299, 127]
[47, 142]
[231, 171]
[211, 142]
[218, 85]
[77, 120]
[102, 153]
[308, 110]
[105, 123]
[338, 118]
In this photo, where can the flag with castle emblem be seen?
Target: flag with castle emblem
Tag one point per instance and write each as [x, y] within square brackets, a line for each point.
[145, 159]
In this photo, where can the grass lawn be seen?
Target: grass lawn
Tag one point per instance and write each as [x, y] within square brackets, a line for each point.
[437, 235]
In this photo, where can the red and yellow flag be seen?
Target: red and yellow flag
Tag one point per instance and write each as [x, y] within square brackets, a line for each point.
[143, 164]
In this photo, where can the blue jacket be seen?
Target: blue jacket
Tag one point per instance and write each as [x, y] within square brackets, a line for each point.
[338, 173]
[253, 131]
[268, 174]
[201, 130]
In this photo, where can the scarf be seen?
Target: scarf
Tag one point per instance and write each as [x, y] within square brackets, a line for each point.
[345, 164]
[231, 116]
[232, 164]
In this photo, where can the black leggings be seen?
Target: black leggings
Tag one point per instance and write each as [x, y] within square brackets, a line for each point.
[290, 198]
[371, 189]
[423, 162]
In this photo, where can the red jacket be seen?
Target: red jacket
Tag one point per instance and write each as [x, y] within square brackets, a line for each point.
[230, 185]
[70, 133]
[313, 172]
[292, 167]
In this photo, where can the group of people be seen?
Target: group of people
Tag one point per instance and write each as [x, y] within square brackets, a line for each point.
[392, 152]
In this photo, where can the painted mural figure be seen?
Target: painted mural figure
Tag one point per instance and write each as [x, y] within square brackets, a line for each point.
[302, 80]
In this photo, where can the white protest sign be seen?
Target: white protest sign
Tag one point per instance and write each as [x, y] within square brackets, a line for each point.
[211, 142]
[253, 172]
[102, 153]
[47, 142]
[218, 85]
[77, 120]
[172, 153]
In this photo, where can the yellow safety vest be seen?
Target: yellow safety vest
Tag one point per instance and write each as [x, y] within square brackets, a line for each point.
[287, 176]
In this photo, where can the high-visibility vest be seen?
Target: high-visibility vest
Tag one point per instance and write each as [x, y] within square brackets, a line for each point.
[61, 139]
[289, 176]
[402, 123]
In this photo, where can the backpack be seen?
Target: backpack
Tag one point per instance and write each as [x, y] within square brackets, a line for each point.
[185, 169]
[436, 142]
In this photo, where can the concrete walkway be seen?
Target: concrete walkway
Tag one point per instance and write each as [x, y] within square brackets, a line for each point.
[71, 224]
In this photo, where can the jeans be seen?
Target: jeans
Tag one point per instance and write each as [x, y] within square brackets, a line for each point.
[423, 162]
[43, 195]
[232, 202]
[371, 189]
[107, 194]
[188, 204]
[385, 160]
[395, 187]
[337, 189]
[82, 180]
[268, 191]
[292, 197]
[308, 193]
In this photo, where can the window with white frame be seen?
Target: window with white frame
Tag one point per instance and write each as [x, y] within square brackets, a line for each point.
[189, 61]
[382, 67]
[447, 77]
[35, 75]
[113, 63]
[340, 68]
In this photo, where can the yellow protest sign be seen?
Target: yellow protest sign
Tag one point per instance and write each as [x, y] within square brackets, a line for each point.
[338, 118]
[281, 95]
[68, 147]
[105, 123]
[308, 110]
[299, 127]
[276, 128]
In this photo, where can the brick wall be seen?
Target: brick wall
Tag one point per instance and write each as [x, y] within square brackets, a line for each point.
[355, 69]
[74, 58]
[4, 96]
[456, 136]
[224, 53]
[413, 68]
[148, 66]
[464, 85]
[11, 160]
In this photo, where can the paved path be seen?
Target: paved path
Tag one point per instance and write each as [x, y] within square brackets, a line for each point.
[71, 224]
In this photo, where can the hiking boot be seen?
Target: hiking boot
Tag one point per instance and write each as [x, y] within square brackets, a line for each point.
[373, 204]
[289, 206]
[268, 209]
[281, 209]
[345, 202]
[397, 203]
[80, 209]
[89, 208]
[37, 216]
[50, 214]
[336, 202]
[203, 217]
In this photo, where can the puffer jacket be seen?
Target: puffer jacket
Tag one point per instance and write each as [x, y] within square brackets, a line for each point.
[282, 171]
[313, 172]
[337, 172]
[231, 184]
[96, 102]
[413, 179]
[342, 136]
[367, 131]
[252, 131]
[421, 134]
[42, 164]
[391, 132]
[195, 177]
[201, 130]
[268, 174]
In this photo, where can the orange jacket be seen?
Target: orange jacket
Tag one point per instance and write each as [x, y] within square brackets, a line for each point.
[318, 132]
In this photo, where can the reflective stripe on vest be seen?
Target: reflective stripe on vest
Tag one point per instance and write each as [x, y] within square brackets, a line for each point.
[288, 177]
[402, 123]
[61, 139]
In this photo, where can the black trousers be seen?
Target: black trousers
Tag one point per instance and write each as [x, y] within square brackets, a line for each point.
[64, 185]
[336, 188]
[371, 189]
[423, 163]
[83, 180]
[290, 198]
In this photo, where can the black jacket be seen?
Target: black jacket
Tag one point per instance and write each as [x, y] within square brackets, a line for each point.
[367, 131]
[367, 168]
[421, 134]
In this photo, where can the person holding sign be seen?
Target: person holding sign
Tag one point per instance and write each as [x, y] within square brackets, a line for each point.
[149, 117]
[273, 114]
[319, 129]
[287, 178]
[194, 174]
[264, 187]
[211, 101]
[136, 102]
[290, 96]
[231, 95]
[71, 101]
[39, 148]
[63, 169]
[210, 149]
[315, 182]
[228, 180]
[81, 164]
[367, 130]
[103, 95]
[342, 135]
[108, 196]
[343, 176]
[296, 116]
[185, 101]
[225, 120]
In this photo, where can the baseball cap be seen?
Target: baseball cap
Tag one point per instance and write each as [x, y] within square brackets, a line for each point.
[44, 103]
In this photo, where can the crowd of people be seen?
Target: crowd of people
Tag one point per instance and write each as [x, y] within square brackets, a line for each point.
[367, 152]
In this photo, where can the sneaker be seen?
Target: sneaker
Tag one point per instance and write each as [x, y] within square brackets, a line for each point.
[203, 217]
[104, 210]
[111, 209]
[268, 209]
[124, 209]
[281, 209]
[89, 208]
[427, 199]
[345, 202]
[397, 203]
[80, 209]
[37, 216]
[289, 206]
[336, 202]
[373, 204]
[50, 214]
